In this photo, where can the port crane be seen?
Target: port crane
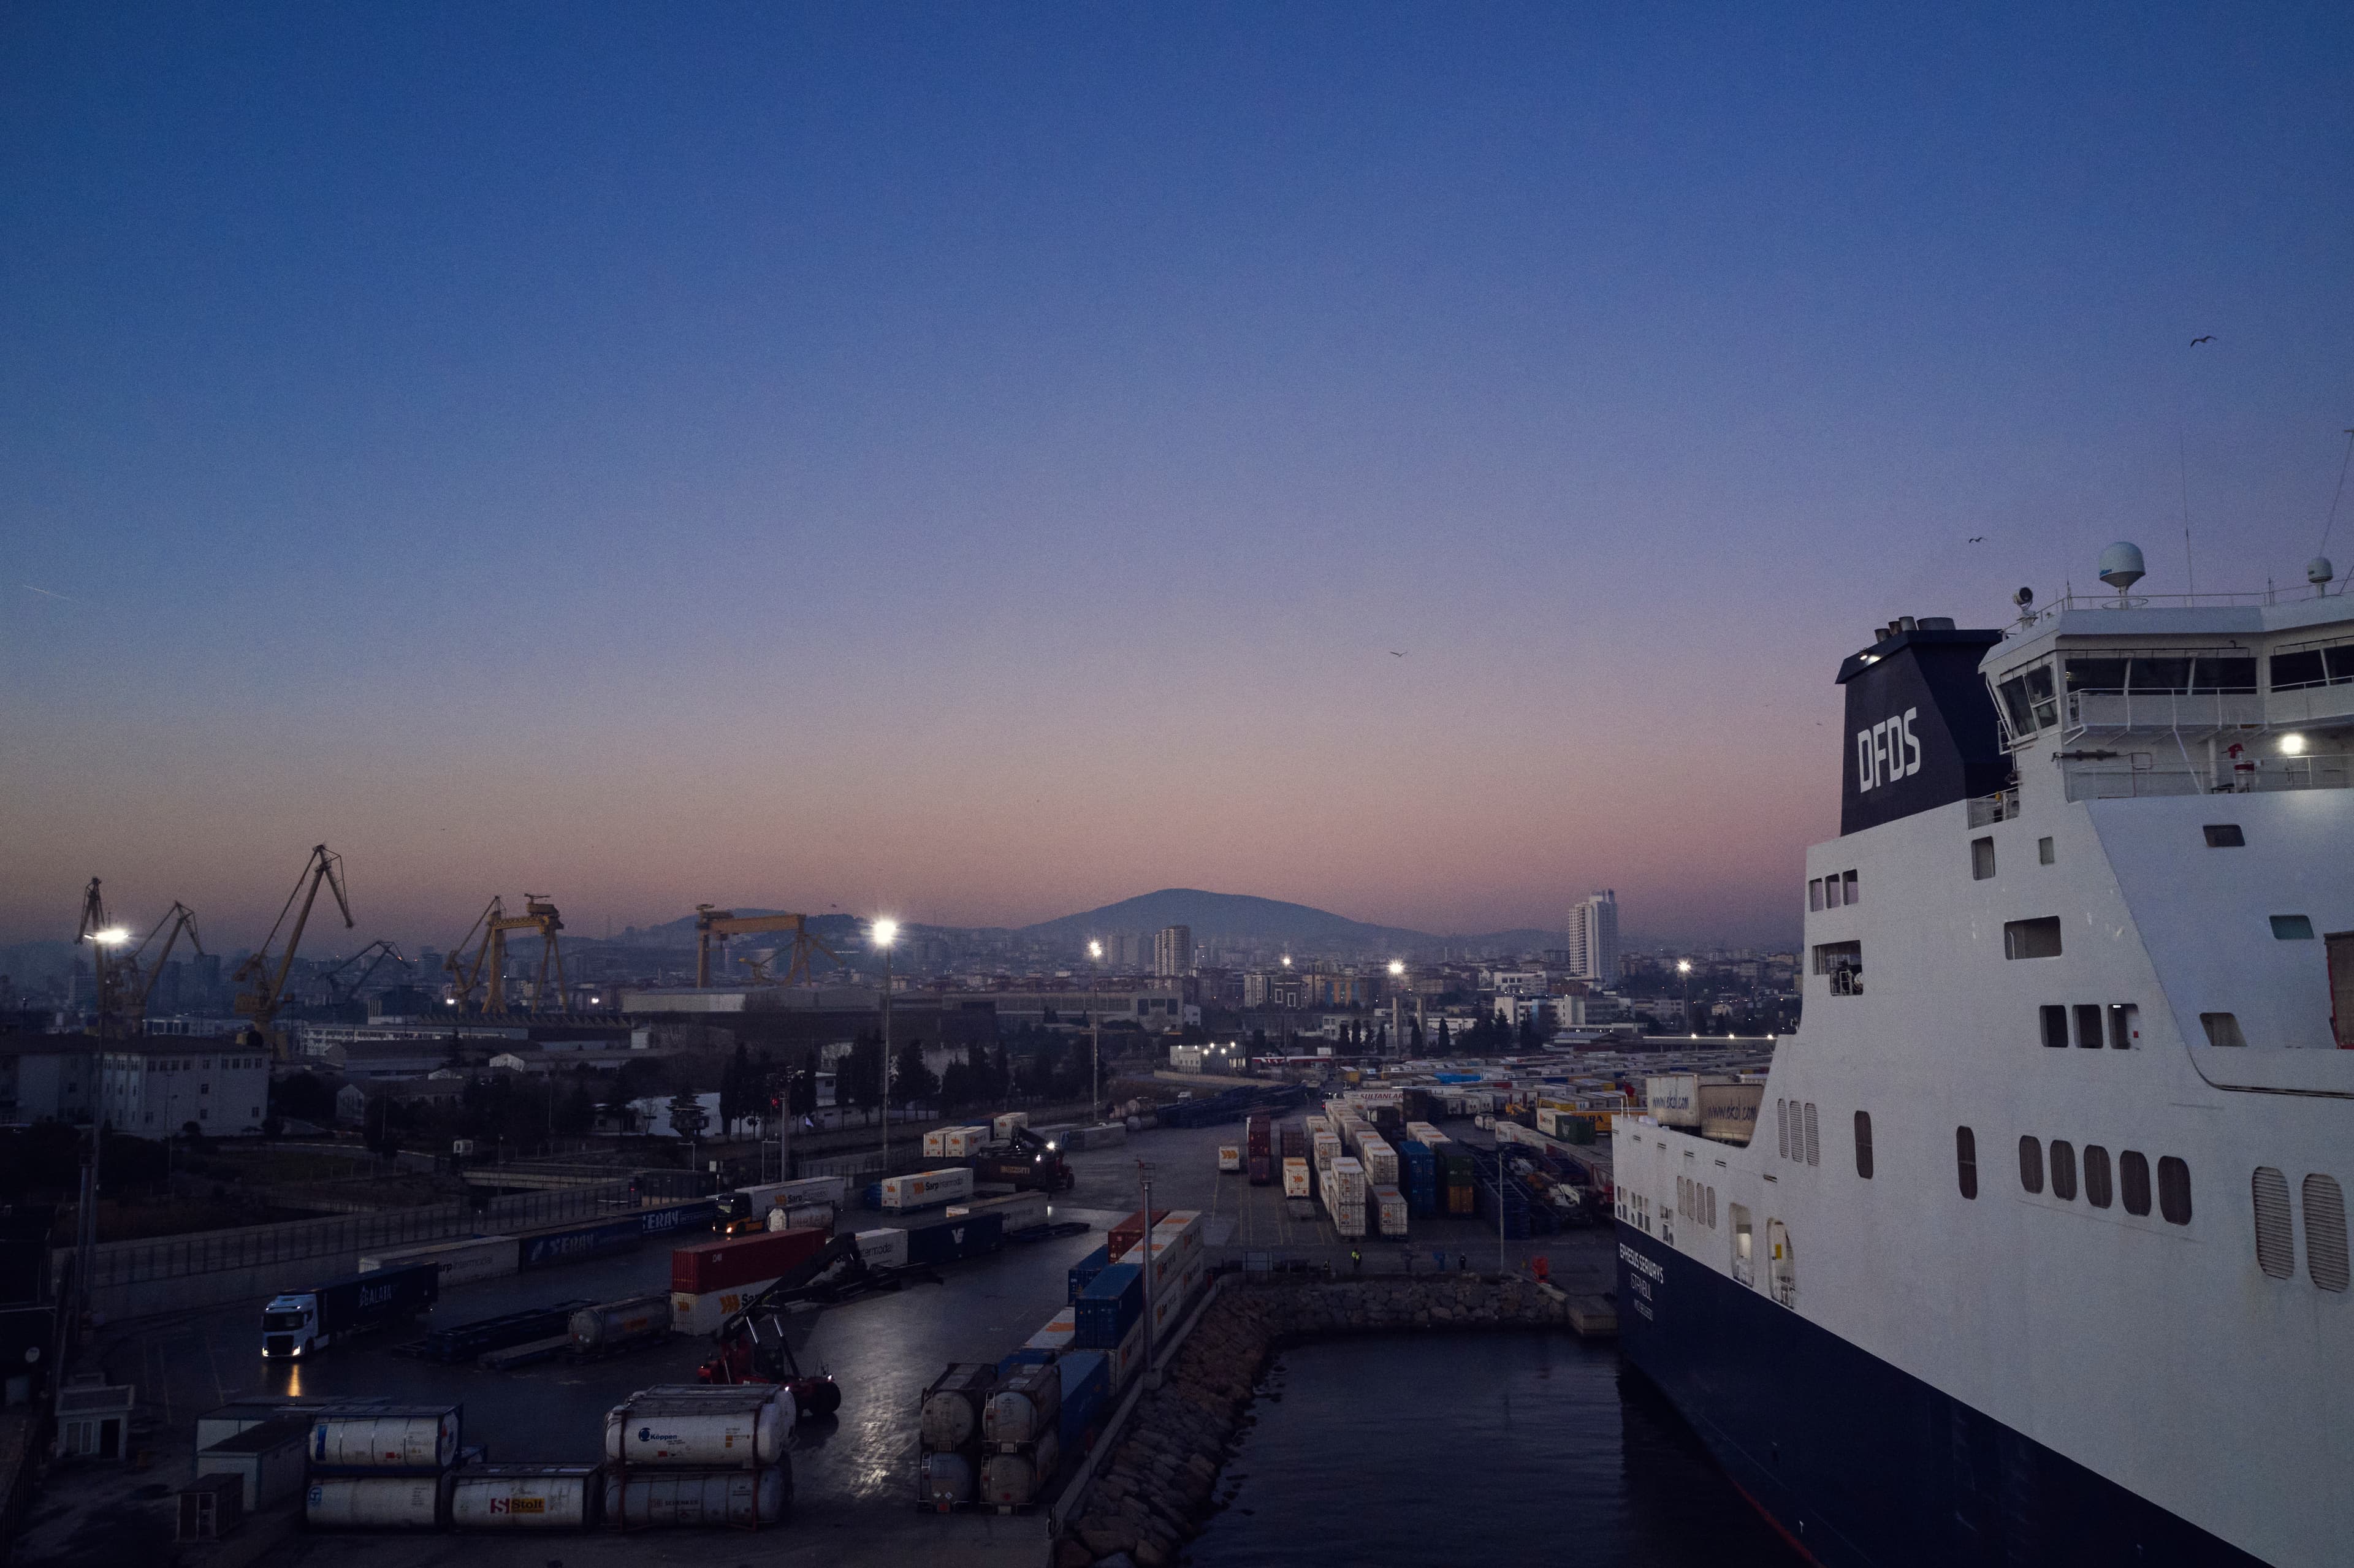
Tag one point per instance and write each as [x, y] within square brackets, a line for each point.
[107, 970]
[369, 959]
[263, 991]
[716, 924]
[179, 917]
[488, 960]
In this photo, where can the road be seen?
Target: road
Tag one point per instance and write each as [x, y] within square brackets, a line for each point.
[854, 1473]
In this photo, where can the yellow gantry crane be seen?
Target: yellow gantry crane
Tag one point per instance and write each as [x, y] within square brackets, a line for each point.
[713, 924]
[264, 990]
[488, 962]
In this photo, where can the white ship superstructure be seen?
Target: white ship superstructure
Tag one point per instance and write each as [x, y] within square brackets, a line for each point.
[2039, 1252]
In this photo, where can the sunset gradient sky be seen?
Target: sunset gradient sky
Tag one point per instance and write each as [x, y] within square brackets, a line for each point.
[974, 462]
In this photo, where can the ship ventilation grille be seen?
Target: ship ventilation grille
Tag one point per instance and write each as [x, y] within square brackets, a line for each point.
[2325, 1232]
[2275, 1254]
[1814, 1139]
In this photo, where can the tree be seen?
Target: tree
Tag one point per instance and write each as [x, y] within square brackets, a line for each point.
[575, 1113]
[1000, 1073]
[739, 1089]
[1414, 1034]
[1446, 1042]
[305, 1096]
[858, 1076]
[910, 1080]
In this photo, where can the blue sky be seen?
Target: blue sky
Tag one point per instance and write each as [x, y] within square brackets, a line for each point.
[975, 462]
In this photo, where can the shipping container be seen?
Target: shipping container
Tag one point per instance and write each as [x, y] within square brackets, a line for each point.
[1005, 1125]
[1131, 1231]
[1023, 1477]
[1729, 1111]
[1059, 1334]
[803, 1217]
[936, 1143]
[1389, 1211]
[947, 1480]
[243, 1414]
[1023, 1407]
[611, 1326]
[461, 1262]
[1109, 1307]
[1349, 1182]
[701, 1428]
[415, 1437]
[738, 1498]
[269, 1461]
[1381, 1163]
[1672, 1100]
[706, 1313]
[952, 1241]
[377, 1502]
[949, 1415]
[1017, 1211]
[1295, 1178]
[702, 1267]
[1349, 1219]
[1087, 1395]
[926, 1188]
[963, 1142]
[527, 1497]
[1128, 1359]
[1086, 1269]
[1230, 1158]
[1171, 1307]
[882, 1248]
[579, 1239]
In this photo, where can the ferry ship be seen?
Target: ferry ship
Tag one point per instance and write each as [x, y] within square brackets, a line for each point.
[2038, 1253]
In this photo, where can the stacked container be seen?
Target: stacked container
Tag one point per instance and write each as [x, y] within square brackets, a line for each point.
[1418, 1171]
[1258, 1135]
[1061, 1332]
[709, 1280]
[1022, 1437]
[1017, 1211]
[1083, 1272]
[1295, 1178]
[1455, 1169]
[1381, 1160]
[697, 1455]
[1344, 1196]
[882, 1248]
[1389, 1211]
[1086, 1399]
[612, 1325]
[1108, 1315]
[1131, 1231]
[382, 1469]
[950, 1240]
[948, 1424]
[527, 1496]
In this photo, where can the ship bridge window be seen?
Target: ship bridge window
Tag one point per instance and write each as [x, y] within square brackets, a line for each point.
[2031, 938]
[1842, 962]
[2331, 665]
[2063, 1169]
[1981, 859]
[2174, 1189]
[2097, 1190]
[2031, 701]
[2030, 1164]
[2225, 835]
[2132, 1180]
[2088, 1026]
[1863, 1144]
[2055, 1026]
[2292, 927]
[1965, 1160]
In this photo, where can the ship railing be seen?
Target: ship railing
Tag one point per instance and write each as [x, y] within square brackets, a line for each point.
[1999, 806]
[2136, 776]
[2074, 600]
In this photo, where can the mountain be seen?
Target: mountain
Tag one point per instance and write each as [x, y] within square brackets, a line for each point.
[832, 929]
[1235, 914]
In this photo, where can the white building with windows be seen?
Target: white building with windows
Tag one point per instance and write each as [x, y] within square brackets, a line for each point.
[154, 1087]
[1593, 938]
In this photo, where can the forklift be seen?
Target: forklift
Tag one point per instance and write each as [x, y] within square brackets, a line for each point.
[1024, 1162]
[752, 1346]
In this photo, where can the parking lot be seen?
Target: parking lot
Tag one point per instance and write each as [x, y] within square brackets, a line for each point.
[854, 1473]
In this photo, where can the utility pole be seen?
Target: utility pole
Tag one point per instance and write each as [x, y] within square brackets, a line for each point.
[1144, 1171]
[886, 931]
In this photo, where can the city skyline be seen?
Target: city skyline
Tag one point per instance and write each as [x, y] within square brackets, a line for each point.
[975, 468]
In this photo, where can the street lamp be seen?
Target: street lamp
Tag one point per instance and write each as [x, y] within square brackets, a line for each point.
[886, 933]
[1397, 975]
[1683, 968]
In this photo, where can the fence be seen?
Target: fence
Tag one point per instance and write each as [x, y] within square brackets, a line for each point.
[116, 1264]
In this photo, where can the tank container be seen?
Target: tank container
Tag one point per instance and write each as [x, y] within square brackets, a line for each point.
[609, 1324]
[739, 1497]
[951, 1416]
[731, 1427]
[377, 1502]
[527, 1497]
[1025, 1406]
[947, 1480]
[399, 1438]
[1012, 1480]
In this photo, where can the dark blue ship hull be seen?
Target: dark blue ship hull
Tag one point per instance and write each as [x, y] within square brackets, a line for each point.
[1860, 1465]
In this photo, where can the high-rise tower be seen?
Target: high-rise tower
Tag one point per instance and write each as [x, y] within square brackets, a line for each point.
[1593, 937]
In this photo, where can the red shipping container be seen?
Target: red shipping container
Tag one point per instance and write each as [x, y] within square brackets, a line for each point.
[1130, 1232]
[710, 1265]
[1257, 1130]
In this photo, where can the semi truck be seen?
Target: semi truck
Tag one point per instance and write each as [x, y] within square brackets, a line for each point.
[1024, 1160]
[299, 1323]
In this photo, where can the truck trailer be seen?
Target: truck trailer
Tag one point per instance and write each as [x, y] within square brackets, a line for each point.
[299, 1323]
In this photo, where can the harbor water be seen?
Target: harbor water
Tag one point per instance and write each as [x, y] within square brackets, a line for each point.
[1474, 1449]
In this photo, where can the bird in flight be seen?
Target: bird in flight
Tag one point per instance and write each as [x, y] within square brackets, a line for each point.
[1977, 539]
[2197, 340]
[1396, 654]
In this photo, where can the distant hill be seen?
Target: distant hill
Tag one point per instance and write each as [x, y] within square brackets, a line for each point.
[680, 933]
[1228, 914]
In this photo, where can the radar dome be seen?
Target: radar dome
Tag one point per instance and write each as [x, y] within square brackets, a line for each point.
[2121, 565]
[2318, 571]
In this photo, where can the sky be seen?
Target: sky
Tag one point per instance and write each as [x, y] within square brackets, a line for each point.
[981, 463]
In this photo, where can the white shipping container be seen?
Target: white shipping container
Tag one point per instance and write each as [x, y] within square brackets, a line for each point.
[882, 1248]
[1389, 1207]
[1230, 1157]
[936, 1144]
[462, 1262]
[526, 1496]
[1128, 1360]
[691, 1314]
[395, 1439]
[964, 1142]
[1349, 1219]
[1672, 1100]
[922, 1189]
[1003, 1126]
[1009, 1481]
[697, 1497]
[377, 1502]
[1295, 1177]
[1381, 1163]
[701, 1428]
[1060, 1330]
[803, 1217]
[1349, 1181]
[1019, 1209]
[1170, 1306]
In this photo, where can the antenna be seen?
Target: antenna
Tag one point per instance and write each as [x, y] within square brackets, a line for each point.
[2331, 522]
[2121, 566]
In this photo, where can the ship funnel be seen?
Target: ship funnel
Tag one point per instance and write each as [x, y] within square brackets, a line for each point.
[2121, 565]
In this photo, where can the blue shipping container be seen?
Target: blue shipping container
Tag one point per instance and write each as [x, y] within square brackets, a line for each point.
[1109, 1307]
[1086, 1399]
[569, 1244]
[1083, 1272]
[946, 1241]
[1028, 1356]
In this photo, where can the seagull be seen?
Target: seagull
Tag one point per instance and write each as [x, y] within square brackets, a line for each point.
[1977, 539]
[1396, 654]
[2197, 340]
